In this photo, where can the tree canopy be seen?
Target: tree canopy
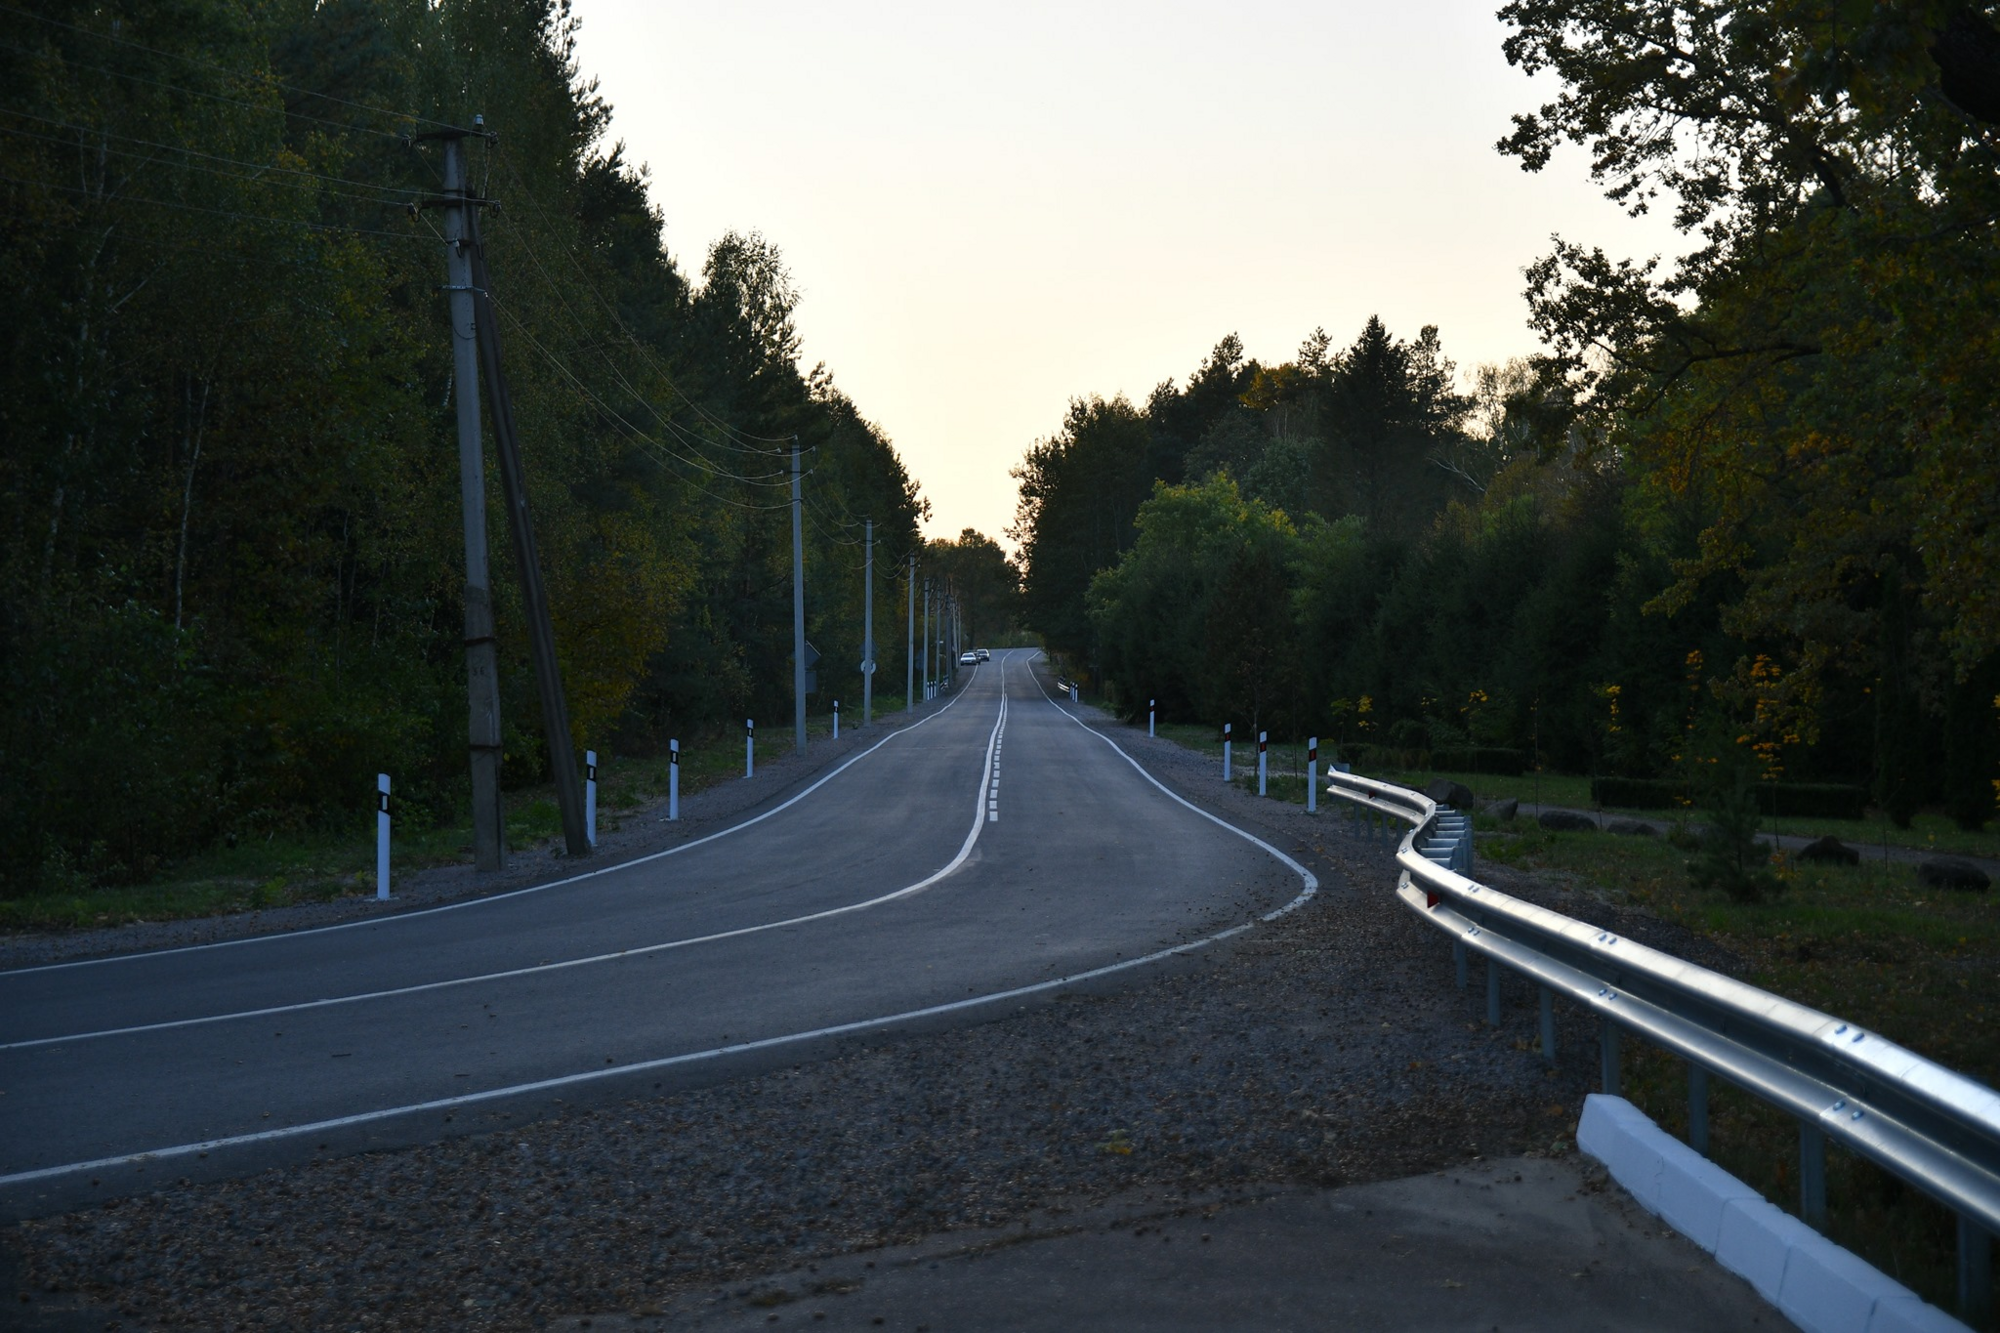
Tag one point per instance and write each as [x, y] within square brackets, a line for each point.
[230, 547]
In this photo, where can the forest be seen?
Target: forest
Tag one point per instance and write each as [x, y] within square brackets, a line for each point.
[231, 554]
[1740, 515]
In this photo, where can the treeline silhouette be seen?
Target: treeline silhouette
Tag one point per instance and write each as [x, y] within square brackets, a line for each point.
[231, 561]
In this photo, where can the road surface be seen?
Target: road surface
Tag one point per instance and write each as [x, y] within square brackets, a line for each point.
[993, 848]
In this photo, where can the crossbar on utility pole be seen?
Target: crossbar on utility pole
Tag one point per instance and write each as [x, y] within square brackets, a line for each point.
[798, 609]
[482, 669]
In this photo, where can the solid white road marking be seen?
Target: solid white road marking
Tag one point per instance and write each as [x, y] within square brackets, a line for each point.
[1311, 886]
[928, 881]
[511, 893]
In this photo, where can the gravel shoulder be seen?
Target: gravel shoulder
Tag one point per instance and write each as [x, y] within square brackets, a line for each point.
[1326, 1048]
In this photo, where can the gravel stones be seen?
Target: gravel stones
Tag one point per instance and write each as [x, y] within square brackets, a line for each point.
[1328, 1046]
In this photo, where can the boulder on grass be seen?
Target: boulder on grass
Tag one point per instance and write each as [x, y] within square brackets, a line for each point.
[1948, 872]
[1503, 810]
[1632, 828]
[1454, 794]
[1830, 851]
[1567, 821]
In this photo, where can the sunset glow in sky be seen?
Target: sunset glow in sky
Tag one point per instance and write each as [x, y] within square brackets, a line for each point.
[992, 210]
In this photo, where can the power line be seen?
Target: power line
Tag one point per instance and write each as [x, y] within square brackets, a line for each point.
[223, 69]
[152, 243]
[259, 170]
[644, 351]
[589, 395]
[213, 212]
[197, 92]
[774, 478]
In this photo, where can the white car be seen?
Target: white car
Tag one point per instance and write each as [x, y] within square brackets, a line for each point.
[968, 658]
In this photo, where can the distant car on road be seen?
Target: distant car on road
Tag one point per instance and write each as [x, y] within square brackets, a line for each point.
[984, 656]
[968, 658]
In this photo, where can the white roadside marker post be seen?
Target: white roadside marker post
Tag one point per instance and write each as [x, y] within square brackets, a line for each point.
[673, 779]
[749, 747]
[1312, 775]
[1263, 741]
[590, 796]
[1225, 751]
[836, 719]
[382, 837]
[1151, 704]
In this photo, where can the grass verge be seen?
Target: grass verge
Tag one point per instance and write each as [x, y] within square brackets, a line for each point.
[1869, 944]
[282, 870]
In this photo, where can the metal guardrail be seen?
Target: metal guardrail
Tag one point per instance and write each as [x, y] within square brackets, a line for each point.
[1933, 1128]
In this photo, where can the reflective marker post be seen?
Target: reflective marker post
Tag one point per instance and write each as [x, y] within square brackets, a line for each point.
[1312, 775]
[1151, 704]
[1225, 751]
[1263, 740]
[836, 719]
[673, 779]
[382, 837]
[590, 796]
[749, 747]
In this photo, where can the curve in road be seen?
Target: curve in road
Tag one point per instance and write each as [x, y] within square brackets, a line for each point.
[769, 943]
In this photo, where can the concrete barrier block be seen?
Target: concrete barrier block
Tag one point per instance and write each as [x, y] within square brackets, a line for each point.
[1755, 1240]
[1619, 1135]
[1907, 1313]
[1828, 1290]
[1694, 1191]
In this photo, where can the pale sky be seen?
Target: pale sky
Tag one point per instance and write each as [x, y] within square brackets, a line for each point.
[989, 211]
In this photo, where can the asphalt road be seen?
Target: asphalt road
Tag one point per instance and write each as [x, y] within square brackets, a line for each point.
[994, 846]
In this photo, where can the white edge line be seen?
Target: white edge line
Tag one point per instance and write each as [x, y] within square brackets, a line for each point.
[590, 1076]
[928, 881]
[1311, 880]
[1311, 886]
[494, 897]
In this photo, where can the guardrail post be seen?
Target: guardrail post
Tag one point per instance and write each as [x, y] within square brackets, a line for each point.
[1492, 991]
[1458, 961]
[1698, 1107]
[1548, 1025]
[1607, 1056]
[1975, 1272]
[1812, 1175]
